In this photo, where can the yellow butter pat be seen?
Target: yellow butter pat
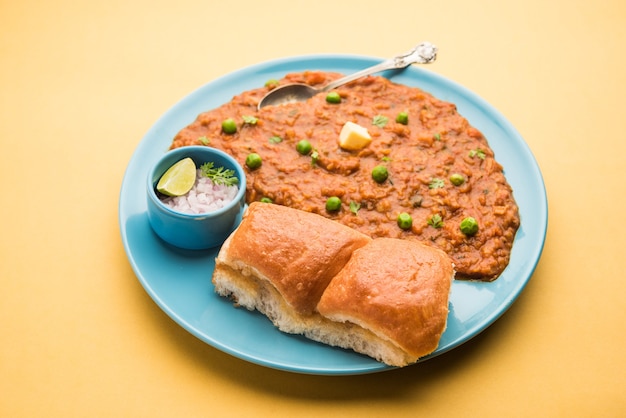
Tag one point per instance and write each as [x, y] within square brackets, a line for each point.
[354, 137]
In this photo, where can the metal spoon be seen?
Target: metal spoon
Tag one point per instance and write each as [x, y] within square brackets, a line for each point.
[424, 53]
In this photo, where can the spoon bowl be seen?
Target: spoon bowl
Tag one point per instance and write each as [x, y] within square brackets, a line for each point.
[424, 53]
[288, 93]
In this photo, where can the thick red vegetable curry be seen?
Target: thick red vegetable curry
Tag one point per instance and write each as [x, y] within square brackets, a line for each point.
[440, 169]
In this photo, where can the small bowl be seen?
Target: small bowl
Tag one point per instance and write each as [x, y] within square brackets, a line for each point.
[195, 231]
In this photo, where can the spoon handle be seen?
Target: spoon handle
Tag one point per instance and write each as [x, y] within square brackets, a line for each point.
[424, 53]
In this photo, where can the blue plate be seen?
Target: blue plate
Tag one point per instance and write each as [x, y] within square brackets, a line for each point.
[180, 281]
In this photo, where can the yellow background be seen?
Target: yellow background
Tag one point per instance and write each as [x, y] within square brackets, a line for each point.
[82, 82]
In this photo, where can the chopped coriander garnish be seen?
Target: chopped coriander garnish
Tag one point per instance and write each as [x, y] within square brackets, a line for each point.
[275, 140]
[204, 140]
[437, 137]
[477, 153]
[315, 156]
[380, 121]
[436, 183]
[354, 207]
[250, 120]
[271, 83]
[219, 175]
[435, 221]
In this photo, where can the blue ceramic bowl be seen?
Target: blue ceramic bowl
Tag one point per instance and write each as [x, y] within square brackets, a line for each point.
[194, 231]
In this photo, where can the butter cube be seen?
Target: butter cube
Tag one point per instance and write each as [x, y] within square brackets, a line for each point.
[354, 137]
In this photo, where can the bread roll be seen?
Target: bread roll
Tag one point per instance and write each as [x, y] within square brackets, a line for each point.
[295, 250]
[385, 298]
[398, 290]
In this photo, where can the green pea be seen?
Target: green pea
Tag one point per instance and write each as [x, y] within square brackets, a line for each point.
[266, 200]
[380, 173]
[457, 179]
[271, 83]
[333, 204]
[402, 118]
[253, 161]
[229, 126]
[304, 147]
[333, 97]
[469, 226]
[405, 221]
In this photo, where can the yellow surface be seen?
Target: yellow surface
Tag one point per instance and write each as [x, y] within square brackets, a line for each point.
[82, 82]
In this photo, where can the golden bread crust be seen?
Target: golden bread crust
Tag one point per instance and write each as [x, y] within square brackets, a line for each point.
[398, 289]
[300, 251]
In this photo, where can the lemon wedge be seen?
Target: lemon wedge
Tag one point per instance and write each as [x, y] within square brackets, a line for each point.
[178, 179]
